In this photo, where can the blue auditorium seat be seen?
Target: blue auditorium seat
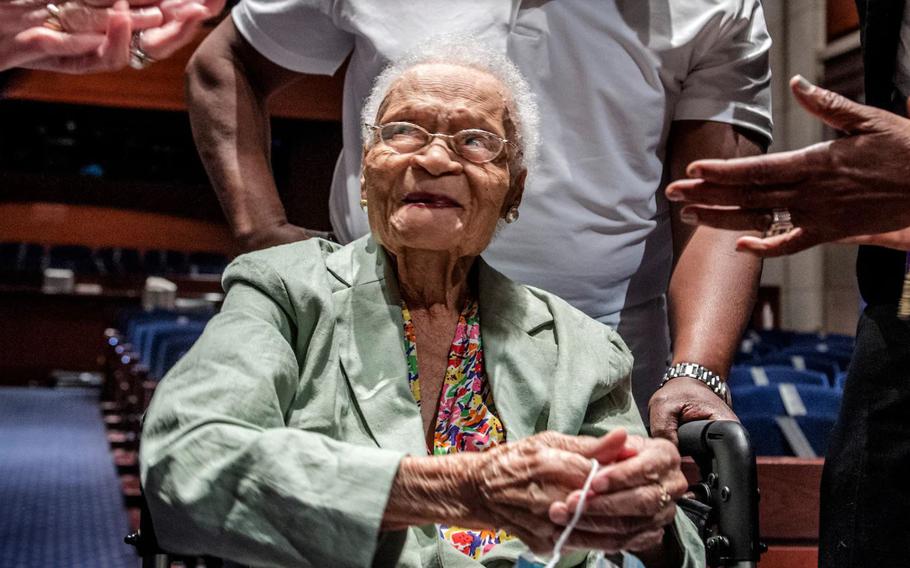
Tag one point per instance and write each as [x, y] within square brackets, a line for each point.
[207, 263]
[755, 374]
[146, 334]
[831, 340]
[120, 261]
[806, 361]
[768, 438]
[77, 258]
[173, 348]
[164, 262]
[769, 400]
[822, 352]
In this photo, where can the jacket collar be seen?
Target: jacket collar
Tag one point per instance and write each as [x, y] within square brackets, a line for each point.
[371, 350]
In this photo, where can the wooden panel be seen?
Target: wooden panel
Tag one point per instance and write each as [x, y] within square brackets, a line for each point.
[161, 86]
[788, 509]
[790, 557]
[42, 332]
[51, 223]
[841, 18]
[789, 497]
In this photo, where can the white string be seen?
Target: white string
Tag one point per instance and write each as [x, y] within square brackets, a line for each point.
[579, 509]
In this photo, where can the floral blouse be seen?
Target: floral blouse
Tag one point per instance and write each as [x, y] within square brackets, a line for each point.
[467, 420]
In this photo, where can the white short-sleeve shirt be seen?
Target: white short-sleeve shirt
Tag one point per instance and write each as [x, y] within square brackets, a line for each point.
[610, 75]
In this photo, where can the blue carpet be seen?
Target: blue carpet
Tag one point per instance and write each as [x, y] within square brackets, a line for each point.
[60, 502]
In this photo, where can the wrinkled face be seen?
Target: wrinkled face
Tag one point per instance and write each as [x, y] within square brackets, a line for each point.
[433, 199]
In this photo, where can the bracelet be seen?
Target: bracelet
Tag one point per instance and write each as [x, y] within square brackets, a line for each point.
[699, 373]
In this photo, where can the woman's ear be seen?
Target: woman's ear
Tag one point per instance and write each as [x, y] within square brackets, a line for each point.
[516, 189]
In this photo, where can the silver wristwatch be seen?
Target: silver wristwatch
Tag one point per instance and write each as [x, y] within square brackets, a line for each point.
[699, 373]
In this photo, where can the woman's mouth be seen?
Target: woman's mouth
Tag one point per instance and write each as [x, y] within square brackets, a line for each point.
[425, 199]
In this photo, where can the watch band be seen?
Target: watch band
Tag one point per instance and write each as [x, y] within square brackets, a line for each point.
[699, 373]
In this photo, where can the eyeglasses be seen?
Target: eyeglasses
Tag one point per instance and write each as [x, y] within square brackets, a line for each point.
[473, 144]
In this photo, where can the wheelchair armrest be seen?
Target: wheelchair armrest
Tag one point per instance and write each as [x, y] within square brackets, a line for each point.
[729, 485]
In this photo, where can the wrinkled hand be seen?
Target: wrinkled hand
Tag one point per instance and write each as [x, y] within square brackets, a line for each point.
[683, 400]
[517, 483]
[856, 185]
[627, 508]
[182, 20]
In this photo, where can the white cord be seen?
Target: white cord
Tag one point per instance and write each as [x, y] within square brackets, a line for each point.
[579, 509]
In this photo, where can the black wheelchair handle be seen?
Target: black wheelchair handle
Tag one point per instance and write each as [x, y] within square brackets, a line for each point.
[724, 455]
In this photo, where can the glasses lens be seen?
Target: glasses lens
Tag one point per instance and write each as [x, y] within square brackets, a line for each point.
[404, 136]
[478, 145]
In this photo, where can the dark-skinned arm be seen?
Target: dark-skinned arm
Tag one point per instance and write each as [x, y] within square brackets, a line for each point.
[228, 87]
[712, 287]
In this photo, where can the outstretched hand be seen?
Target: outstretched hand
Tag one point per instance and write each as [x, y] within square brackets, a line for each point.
[855, 185]
[88, 36]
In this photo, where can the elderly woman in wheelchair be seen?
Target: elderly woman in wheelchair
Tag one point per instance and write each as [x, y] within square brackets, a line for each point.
[398, 402]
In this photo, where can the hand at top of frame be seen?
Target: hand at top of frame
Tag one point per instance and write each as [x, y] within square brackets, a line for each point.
[855, 185]
[76, 36]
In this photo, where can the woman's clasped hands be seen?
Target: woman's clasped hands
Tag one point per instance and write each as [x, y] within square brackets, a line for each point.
[532, 488]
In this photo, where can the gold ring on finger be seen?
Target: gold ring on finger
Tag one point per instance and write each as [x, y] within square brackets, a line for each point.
[53, 21]
[665, 497]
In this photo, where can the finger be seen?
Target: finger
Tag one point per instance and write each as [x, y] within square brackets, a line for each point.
[43, 41]
[163, 41]
[109, 3]
[778, 245]
[116, 53]
[79, 18]
[625, 526]
[145, 18]
[659, 459]
[835, 110]
[769, 169]
[214, 6]
[727, 219]
[608, 448]
[748, 196]
[643, 501]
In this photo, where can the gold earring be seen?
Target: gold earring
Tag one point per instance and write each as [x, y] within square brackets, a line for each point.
[512, 214]
[363, 204]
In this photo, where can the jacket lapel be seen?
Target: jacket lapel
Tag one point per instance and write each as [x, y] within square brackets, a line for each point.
[518, 364]
[369, 325]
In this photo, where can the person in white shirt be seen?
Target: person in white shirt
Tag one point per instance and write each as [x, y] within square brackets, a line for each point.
[629, 93]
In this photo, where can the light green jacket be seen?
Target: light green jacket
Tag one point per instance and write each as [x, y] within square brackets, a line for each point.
[275, 440]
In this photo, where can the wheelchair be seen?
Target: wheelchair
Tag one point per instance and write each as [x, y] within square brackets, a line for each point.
[723, 504]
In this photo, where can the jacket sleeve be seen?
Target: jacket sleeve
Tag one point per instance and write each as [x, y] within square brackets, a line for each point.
[224, 475]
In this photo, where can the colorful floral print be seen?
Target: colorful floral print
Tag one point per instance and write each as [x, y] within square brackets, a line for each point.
[466, 421]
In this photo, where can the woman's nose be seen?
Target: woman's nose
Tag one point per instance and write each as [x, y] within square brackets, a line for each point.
[437, 159]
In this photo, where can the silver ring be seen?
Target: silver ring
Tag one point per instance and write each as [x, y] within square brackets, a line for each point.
[53, 21]
[781, 223]
[139, 59]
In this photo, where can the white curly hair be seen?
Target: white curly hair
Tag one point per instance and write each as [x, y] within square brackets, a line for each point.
[469, 52]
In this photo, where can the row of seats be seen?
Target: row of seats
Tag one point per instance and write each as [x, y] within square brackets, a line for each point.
[787, 389]
[29, 259]
[138, 353]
